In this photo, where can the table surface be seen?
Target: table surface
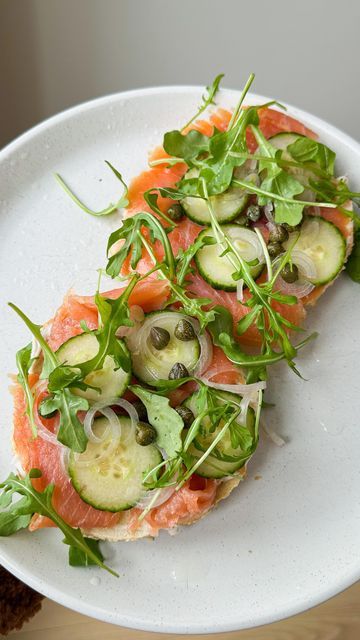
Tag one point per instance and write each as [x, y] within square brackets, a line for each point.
[336, 619]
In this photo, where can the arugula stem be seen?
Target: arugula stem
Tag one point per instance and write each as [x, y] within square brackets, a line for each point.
[171, 161]
[236, 111]
[281, 162]
[274, 196]
[209, 449]
[103, 212]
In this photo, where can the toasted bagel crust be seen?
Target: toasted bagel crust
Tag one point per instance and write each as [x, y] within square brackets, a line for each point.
[121, 530]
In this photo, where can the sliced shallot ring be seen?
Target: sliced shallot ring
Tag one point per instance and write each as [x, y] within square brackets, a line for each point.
[114, 424]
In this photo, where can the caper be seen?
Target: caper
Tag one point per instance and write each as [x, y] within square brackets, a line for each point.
[178, 371]
[46, 416]
[145, 434]
[184, 330]
[186, 414]
[274, 249]
[176, 212]
[159, 337]
[279, 234]
[253, 213]
[140, 410]
[290, 273]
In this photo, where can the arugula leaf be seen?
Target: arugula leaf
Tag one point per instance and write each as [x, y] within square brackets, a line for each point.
[287, 187]
[24, 361]
[120, 204]
[151, 199]
[308, 150]
[215, 156]
[353, 263]
[188, 146]
[67, 376]
[248, 319]
[113, 314]
[279, 182]
[71, 431]
[163, 418]
[50, 359]
[130, 233]
[222, 145]
[79, 558]
[207, 98]
[225, 152]
[18, 513]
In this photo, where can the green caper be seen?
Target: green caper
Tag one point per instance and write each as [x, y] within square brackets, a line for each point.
[279, 234]
[184, 331]
[253, 213]
[290, 273]
[176, 212]
[186, 414]
[41, 410]
[140, 410]
[159, 337]
[178, 371]
[274, 249]
[145, 434]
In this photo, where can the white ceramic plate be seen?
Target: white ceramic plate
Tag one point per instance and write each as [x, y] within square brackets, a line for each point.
[279, 544]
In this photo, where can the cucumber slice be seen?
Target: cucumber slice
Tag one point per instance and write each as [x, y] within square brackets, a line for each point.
[151, 364]
[115, 482]
[226, 206]
[224, 460]
[218, 271]
[109, 379]
[324, 243]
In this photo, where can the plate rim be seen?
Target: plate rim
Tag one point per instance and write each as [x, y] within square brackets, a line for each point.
[59, 595]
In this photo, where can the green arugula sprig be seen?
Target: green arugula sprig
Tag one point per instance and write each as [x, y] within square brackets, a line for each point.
[207, 99]
[24, 362]
[181, 464]
[71, 432]
[271, 324]
[120, 204]
[131, 233]
[221, 332]
[63, 378]
[16, 515]
[193, 306]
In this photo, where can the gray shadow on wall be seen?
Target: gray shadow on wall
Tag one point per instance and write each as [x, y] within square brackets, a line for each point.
[20, 97]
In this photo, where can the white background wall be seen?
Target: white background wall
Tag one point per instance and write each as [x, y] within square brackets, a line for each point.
[56, 53]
